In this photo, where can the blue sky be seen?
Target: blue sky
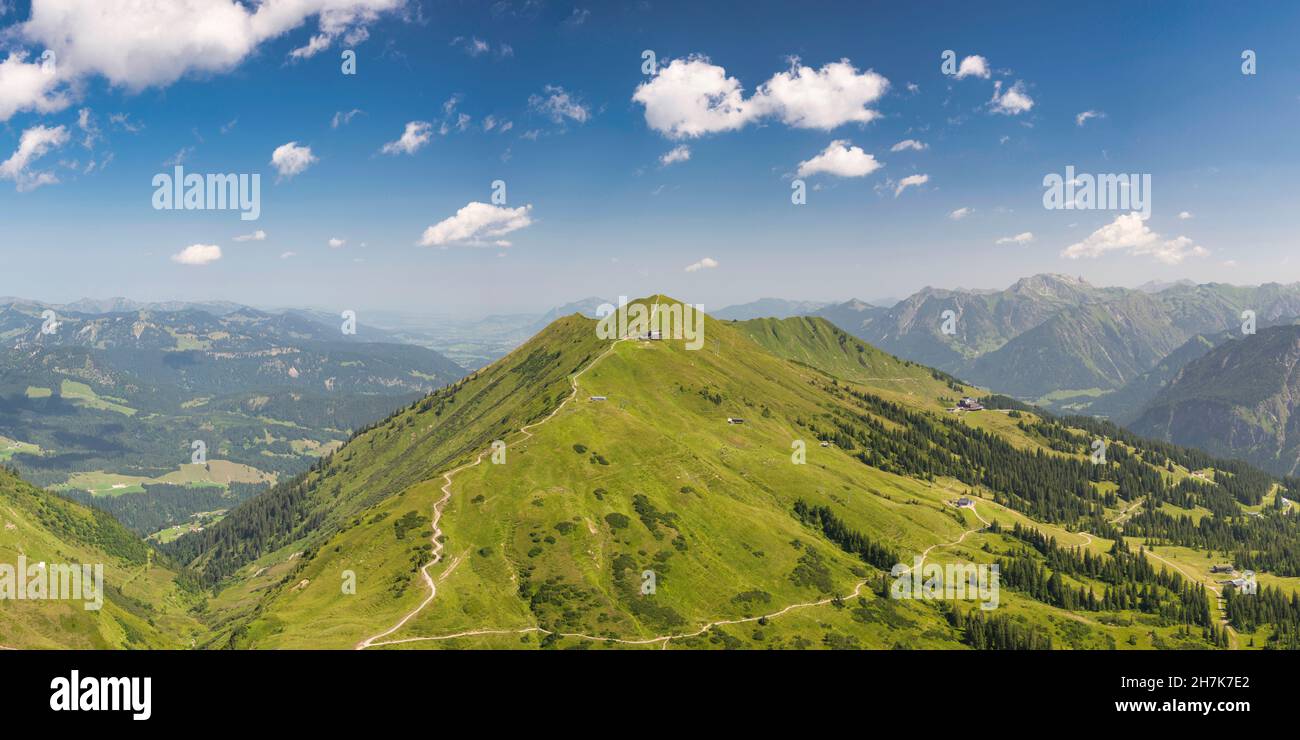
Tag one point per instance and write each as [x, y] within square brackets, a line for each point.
[597, 212]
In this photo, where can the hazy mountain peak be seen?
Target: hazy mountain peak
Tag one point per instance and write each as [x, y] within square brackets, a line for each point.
[1049, 282]
[1157, 286]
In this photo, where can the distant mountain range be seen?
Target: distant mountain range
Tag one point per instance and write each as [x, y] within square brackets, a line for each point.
[765, 308]
[475, 342]
[1239, 399]
[1059, 340]
[1130, 355]
[122, 305]
[102, 404]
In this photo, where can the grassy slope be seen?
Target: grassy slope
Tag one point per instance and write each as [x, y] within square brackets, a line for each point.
[538, 517]
[143, 606]
[388, 466]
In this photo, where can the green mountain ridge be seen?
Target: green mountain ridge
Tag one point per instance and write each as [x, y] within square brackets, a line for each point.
[754, 493]
[549, 548]
[144, 603]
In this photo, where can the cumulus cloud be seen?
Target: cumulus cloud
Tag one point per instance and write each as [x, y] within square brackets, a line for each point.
[137, 44]
[822, 99]
[1083, 117]
[1129, 233]
[973, 66]
[679, 153]
[559, 105]
[708, 263]
[961, 213]
[691, 97]
[336, 242]
[478, 224]
[1022, 238]
[291, 159]
[905, 144]
[1184, 215]
[842, 159]
[198, 254]
[1013, 101]
[34, 143]
[256, 236]
[29, 86]
[910, 181]
[416, 135]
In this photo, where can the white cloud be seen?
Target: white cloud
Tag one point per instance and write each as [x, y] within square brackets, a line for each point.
[1185, 215]
[416, 135]
[1013, 102]
[557, 104]
[28, 86]
[198, 254]
[1021, 238]
[907, 144]
[973, 66]
[842, 159]
[692, 97]
[318, 43]
[472, 45]
[909, 181]
[708, 263]
[1083, 117]
[1130, 233]
[34, 143]
[681, 153]
[336, 242]
[961, 213]
[86, 122]
[291, 159]
[136, 44]
[287, 255]
[823, 99]
[256, 236]
[123, 121]
[343, 118]
[477, 224]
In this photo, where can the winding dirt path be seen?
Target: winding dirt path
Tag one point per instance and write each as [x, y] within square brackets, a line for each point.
[1218, 592]
[447, 477]
[665, 639]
